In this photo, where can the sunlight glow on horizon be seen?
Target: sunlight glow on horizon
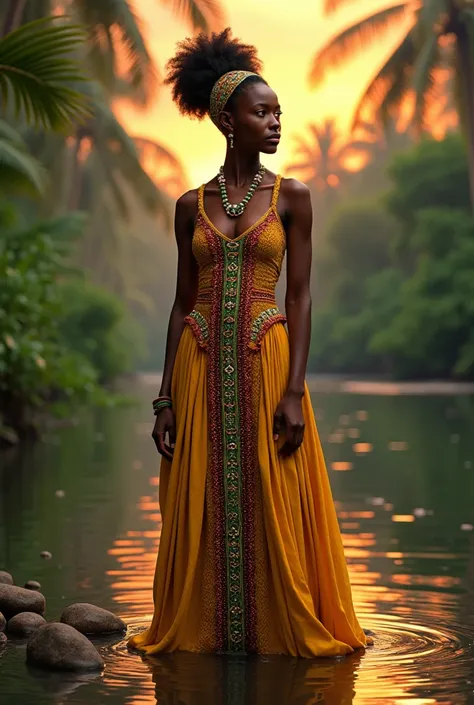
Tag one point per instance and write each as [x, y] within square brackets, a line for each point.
[286, 42]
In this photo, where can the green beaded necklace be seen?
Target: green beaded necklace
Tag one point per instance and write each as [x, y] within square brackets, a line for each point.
[236, 209]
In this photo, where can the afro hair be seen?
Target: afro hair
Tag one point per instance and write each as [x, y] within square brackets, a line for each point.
[200, 61]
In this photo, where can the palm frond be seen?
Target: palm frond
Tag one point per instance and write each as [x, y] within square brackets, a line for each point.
[431, 18]
[117, 151]
[391, 82]
[201, 15]
[459, 94]
[116, 37]
[19, 171]
[8, 133]
[63, 228]
[424, 80]
[354, 39]
[330, 6]
[100, 173]
[325, 137]
[165, 168]
[37, 73]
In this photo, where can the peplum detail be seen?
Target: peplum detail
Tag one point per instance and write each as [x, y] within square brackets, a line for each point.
[199, 326]
[262, 324]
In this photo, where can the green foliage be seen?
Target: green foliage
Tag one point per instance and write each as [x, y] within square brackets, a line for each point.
[409, 316]
[432, 334]
[35, 365]
[19, 171]
[95, 324]
[359, 242]
[431, 174]
[38, 76]
[359, 238]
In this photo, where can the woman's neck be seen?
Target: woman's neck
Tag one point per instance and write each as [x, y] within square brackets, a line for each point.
[240, 169]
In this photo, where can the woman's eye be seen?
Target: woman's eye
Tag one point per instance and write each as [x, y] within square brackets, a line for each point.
[261, 113]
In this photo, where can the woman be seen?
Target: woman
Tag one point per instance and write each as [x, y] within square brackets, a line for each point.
[250, 558]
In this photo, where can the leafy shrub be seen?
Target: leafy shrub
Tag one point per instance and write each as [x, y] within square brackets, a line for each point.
[95, 324]
[35, 364]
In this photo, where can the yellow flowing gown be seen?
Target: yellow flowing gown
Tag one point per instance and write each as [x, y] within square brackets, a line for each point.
[250, 558]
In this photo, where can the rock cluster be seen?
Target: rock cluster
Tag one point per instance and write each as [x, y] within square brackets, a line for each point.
[61, 646]
[14, 600]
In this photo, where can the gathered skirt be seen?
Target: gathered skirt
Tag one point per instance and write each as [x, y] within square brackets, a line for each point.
[297, 592]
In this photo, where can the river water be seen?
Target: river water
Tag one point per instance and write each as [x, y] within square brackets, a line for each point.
[402, 472]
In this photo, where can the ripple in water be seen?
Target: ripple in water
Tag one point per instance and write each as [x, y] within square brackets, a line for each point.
[411, 662]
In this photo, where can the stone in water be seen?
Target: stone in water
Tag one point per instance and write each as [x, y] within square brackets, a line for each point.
[24, 624]
[5, 578]
[90, 619]
[14, 600]
[61, 647]
[33, 585]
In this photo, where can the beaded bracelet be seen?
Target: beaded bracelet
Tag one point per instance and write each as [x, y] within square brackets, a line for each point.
[161, 403]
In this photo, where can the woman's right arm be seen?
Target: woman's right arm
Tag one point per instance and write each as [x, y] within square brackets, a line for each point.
[185, 299]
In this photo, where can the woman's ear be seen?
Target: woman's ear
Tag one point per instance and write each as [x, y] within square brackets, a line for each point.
[226, 122]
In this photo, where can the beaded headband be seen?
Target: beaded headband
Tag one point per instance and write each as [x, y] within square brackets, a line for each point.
[223, 89]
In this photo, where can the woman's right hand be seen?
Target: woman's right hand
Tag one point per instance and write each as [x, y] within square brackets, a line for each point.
[165, 424]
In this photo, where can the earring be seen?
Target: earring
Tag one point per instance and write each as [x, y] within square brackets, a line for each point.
[231, 140]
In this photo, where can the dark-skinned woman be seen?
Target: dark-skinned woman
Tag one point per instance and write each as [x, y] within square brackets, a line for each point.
[251, 558]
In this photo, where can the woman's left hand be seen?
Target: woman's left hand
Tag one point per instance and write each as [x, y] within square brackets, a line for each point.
[289, 420]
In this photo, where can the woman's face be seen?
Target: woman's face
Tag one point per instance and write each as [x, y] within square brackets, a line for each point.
[256, 119]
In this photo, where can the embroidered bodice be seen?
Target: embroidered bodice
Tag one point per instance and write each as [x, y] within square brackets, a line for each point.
[237, 278]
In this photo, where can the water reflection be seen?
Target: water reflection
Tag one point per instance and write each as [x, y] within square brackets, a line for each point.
[59, 685]
[403, 489]
[190, 679]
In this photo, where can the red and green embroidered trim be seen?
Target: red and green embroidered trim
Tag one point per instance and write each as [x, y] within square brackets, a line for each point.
[216, 463]
[199, 327]
[262, 323]
[223, 89]
[263, 295]
[232, 467]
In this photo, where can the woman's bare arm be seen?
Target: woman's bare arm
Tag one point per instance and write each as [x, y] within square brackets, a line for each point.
[298, 224]
[186, 283]
[298, 294]
[185, 298]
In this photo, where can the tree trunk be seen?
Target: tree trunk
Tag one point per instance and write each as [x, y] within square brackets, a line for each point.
[466, 69]
[13, 16]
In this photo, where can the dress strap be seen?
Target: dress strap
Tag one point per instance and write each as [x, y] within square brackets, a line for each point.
[276, 190]
[201, 197]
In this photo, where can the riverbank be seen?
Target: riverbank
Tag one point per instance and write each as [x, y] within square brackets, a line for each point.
[332, 384]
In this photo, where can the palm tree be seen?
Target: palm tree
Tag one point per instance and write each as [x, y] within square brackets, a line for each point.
[38, 84]
[38, 74]
[116, 38]
[439, 33]
[321, 158]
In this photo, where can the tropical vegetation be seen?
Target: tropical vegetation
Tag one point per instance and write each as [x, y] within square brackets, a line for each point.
[74, 179]
[401, 273]
[435, 36]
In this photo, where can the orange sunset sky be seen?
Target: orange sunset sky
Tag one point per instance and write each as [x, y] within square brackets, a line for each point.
[287, 33]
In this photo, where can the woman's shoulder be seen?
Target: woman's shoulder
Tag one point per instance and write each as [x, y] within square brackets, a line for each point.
[187, 206]
[293, 187]
[294, 196]
[188, 201]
